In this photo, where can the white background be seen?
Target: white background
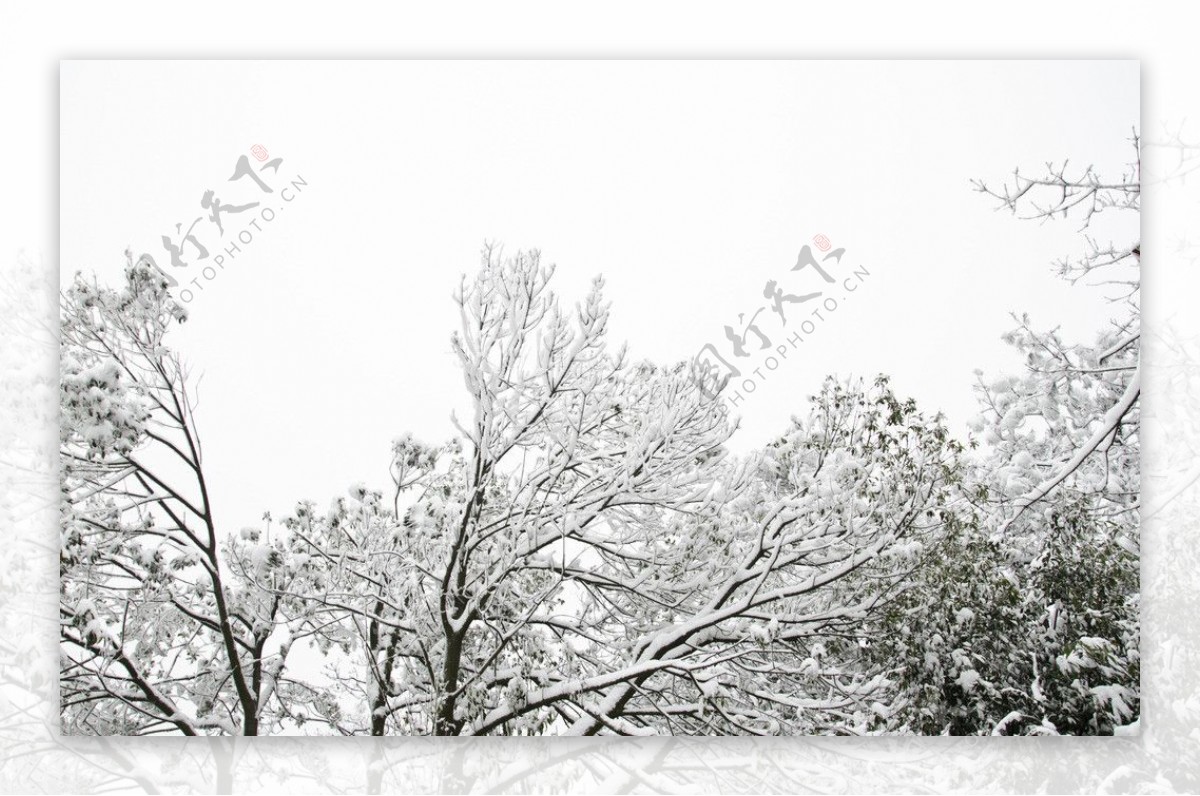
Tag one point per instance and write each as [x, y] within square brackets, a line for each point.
[34, 37]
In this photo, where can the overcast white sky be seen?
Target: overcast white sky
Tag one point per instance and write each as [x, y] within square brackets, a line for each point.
[687, 184]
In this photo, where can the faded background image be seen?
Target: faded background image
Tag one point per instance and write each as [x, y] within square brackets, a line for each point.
[1161, 758]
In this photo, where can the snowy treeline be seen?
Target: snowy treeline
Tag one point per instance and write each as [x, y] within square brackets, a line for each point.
[585, 557]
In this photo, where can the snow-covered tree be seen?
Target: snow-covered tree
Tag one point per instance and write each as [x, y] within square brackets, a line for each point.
[158, 634]
[586, 558]
[1024, 618]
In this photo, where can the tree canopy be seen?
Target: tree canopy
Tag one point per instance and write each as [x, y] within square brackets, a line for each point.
[585, 556]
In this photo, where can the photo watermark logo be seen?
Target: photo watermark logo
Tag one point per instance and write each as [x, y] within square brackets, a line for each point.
[187, 247]
[749, 365]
